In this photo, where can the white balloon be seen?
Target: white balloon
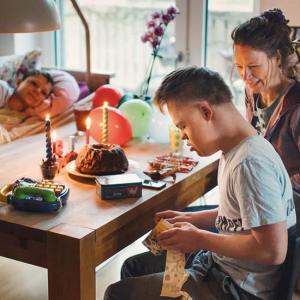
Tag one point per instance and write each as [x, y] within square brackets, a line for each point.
[159, 128]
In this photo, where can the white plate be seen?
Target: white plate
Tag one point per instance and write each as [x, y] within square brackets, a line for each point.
[71, 168]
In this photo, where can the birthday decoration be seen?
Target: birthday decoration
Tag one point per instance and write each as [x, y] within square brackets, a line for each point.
[49, 166]
[139, 114]
[104, 123]
[53, 136]
[127, 97]
[87, 130]
[49, 155]
[159, 127]
[108, 93]
[119, 128]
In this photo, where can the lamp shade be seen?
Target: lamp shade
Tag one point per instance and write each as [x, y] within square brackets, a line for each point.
[18, 16]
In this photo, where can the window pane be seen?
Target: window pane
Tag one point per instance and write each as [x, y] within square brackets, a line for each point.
[116, 28]
[223, 16]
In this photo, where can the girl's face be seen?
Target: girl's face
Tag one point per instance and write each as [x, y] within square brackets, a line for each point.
[256, 69]
[33, 90]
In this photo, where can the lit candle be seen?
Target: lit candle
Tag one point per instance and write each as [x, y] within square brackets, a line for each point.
[105, 122]
[87, 129]
[53, 136]
[48, 138]
[71, 143]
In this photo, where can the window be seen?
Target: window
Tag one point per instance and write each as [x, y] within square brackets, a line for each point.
[116, 28]
[222, 17]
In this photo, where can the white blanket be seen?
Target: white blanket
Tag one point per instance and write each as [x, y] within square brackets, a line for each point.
[14, 124]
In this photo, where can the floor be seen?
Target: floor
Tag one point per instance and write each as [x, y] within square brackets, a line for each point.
[21, 281]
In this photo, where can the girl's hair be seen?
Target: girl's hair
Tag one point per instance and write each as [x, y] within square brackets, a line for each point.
[268, 32]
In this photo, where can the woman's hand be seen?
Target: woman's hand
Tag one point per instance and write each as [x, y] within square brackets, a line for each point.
[172, 216]
[183, 237]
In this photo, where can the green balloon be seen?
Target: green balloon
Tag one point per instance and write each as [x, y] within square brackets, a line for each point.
[125, 98]
[139, 114]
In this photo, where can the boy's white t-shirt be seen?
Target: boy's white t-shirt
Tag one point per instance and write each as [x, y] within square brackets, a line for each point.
[255, 190]
[5, 92]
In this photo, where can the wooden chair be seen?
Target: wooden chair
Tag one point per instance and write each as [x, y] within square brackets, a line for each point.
[295, 33]
[291, 266]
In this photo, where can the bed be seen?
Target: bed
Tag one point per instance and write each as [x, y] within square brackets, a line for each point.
[14, 125]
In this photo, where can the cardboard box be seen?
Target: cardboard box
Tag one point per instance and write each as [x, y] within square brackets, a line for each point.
[119, 186]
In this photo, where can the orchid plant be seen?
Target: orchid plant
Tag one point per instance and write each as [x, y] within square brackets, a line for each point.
[156, 28]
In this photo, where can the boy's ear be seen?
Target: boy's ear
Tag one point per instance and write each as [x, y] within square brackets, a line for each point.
[206, 110]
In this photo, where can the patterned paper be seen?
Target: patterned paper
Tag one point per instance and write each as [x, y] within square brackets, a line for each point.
[175, 275]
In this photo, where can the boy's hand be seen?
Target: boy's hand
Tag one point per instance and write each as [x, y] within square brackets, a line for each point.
[183, 237]
[172, 216]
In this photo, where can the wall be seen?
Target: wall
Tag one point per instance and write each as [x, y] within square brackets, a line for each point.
[7, 43]
[23, 42]
[290, 8]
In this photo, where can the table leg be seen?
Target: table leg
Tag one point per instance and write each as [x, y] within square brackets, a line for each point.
[71, 263]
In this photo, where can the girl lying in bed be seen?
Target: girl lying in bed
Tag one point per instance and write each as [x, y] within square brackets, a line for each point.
[37, 94]
[23, 109]
[29, 94]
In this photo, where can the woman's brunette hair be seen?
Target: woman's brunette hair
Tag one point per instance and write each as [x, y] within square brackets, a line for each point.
[270, 33]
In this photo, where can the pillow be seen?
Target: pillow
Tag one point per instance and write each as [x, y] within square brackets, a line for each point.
[9, 66]
[66, 82]
[65, 91]
[14, 67]
[30, 62]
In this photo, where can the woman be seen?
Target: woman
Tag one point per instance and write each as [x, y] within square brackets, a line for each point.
[269, 66]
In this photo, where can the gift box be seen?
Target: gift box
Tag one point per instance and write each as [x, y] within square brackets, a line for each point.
[119, 186]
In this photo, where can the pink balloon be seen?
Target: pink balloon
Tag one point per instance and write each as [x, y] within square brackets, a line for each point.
[108, 93]
[119, 128]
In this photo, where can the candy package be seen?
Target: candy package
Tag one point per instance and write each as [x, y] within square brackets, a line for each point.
[150, 242]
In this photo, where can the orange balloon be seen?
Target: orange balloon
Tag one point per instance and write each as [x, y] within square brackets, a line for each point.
[119, 128]
[107, 93]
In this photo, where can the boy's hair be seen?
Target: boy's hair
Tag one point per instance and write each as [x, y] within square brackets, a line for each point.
[193, 83]
[37, 73]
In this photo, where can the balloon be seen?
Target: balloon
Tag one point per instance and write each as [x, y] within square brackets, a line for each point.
[126, 97]
[159, 126]
[139, 114]
[107, 93]
[119, 128]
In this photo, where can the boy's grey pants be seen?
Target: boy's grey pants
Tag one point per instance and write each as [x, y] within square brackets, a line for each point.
[142, 277]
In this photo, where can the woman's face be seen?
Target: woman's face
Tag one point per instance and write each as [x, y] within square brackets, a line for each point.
[258, 71]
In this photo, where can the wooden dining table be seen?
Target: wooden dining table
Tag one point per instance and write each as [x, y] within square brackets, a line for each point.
[71, 242]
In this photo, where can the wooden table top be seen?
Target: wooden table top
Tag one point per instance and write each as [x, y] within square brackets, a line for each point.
[22, 158]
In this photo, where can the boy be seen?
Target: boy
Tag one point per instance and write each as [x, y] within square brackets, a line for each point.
[29, 93]
[256, 208]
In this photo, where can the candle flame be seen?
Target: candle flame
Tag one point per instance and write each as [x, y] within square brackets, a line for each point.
[53, 136]
[105, 104]
[47, 117]
[88, 123]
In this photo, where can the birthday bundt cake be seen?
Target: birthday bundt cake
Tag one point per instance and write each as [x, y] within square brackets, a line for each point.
[100, 159]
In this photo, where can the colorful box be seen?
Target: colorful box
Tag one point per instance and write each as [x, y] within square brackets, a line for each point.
[119, 186]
